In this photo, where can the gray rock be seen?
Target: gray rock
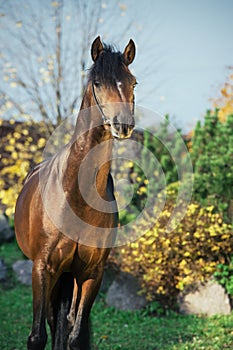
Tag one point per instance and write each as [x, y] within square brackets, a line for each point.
[23, 271]
[123, 293]
[3, 270]
[108, 277]
[6, 234]
[209, 299]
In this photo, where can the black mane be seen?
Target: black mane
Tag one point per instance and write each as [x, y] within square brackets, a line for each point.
[109, 67]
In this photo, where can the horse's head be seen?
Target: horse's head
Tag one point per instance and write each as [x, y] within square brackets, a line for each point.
[112, 86]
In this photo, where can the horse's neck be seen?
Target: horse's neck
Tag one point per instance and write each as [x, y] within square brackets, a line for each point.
[90, 150]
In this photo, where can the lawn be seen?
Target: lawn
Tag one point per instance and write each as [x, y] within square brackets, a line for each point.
[113, 329]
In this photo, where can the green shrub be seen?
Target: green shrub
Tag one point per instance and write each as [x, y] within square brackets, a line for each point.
[224, 276]
[159, 161]
[212, 155]
[159, 142]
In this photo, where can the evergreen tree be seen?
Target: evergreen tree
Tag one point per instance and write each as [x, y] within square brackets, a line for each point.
[212, 155]
[166, 147]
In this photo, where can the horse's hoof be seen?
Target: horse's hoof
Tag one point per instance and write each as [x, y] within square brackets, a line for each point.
[76, 344]
[36, 342]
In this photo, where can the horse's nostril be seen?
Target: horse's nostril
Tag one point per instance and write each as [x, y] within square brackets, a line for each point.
[123, 124]
[116, 123]
[124, 128]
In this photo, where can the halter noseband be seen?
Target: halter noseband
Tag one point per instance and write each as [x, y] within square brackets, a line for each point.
[106, 120]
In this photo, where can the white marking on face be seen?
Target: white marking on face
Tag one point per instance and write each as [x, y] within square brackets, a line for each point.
[119, 85]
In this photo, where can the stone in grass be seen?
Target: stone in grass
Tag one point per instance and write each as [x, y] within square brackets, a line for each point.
[123, 293]
[208, 299]
[6, 234]
[23, 271]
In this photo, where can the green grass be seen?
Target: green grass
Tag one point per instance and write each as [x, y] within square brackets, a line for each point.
[113, 329]
[132, 330]
[10, 253]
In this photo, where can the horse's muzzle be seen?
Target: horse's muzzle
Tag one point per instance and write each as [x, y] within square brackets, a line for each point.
[122, 129]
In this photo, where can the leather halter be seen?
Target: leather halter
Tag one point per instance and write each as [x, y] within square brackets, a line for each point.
[106, 120]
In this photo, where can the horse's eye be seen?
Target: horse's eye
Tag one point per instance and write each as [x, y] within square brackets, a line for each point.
[97, 83]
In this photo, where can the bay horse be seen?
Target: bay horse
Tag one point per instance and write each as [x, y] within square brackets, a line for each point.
[57, 227]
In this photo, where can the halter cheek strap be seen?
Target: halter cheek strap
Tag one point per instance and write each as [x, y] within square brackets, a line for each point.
[106, 120]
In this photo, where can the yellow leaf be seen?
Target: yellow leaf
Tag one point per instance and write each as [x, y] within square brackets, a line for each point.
[41, 142]
[25, 132]
[187, 254]
[12, 141]
[16, 135]
[14, 155]
[19, 24]
[33, 148]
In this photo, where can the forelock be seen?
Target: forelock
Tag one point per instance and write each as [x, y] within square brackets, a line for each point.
[109, 67]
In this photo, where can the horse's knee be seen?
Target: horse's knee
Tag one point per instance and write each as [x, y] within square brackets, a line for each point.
[37, 342]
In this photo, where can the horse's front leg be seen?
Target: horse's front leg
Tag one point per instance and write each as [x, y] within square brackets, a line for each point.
[79, 338]
[40, 288]
[72, 312]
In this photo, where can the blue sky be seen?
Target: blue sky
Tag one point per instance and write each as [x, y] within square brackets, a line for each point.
[189, 45]
[183, 50]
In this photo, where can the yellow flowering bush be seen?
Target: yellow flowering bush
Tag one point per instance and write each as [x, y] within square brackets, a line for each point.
[166, 262]
[21, 145]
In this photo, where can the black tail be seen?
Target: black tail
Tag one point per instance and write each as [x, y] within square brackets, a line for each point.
[63, 299]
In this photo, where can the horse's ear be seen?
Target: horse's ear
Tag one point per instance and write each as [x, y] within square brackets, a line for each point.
[96, 48]
[129, 52]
